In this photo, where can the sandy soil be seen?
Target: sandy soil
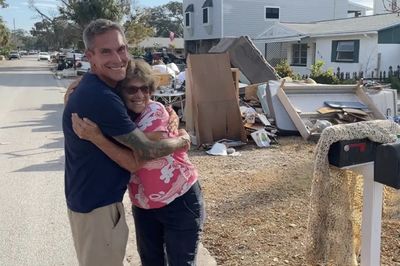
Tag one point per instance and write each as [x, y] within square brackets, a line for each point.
[257, 205]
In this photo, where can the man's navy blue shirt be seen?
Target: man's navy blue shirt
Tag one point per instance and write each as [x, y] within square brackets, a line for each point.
[92, 179]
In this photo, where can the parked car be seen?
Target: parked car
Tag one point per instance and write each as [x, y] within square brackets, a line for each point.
[83, 66]
[77, 54]
[44, 56]
[14, 55]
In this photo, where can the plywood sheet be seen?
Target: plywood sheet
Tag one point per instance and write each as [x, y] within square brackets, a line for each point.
[215, 108]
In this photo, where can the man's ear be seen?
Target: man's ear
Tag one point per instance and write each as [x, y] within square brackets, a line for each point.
[89, 54]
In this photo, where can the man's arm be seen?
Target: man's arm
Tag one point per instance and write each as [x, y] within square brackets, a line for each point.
[147, 149]
[122, 156]
[88, 130]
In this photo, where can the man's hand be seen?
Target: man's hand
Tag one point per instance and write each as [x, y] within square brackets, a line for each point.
[173, 122]
[71, 89]
[86, 129]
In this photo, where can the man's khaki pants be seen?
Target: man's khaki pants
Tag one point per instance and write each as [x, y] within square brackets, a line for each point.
[100, 236]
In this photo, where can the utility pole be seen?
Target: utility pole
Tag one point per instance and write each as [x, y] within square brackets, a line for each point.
[13, 33]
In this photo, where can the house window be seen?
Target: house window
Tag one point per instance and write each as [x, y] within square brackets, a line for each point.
[207, 6]
[271, 12]
[299, 56]
[188, 15]
[345, 51]
[187, 20]
[205, 16]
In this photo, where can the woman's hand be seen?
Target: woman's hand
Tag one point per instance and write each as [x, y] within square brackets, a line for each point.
[71, 89]
[173, 122]
[182, 133]
[86, 129]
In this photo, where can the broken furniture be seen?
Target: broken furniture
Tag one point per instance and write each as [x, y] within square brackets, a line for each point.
[245, 56]
[169, 97]
[276, 110]
[302, 102]
[211, 107]
[384, 98]
[163, 79]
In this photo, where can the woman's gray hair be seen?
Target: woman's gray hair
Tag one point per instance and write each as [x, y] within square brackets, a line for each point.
[98, 27]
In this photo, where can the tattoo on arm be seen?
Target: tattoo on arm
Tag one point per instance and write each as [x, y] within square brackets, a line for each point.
[121, 155]
[147, 149]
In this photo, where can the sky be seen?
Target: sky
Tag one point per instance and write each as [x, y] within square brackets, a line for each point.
[18, 11]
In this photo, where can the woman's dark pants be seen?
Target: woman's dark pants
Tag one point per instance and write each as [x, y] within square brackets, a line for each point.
[170, 235]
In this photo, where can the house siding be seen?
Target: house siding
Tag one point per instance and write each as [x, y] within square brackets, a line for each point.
[391, 35]
[368, 55]
[246, 17]
[200, 31]
[368, 50]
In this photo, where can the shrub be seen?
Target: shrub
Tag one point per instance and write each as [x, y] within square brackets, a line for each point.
[136, 52]
[283, 69]
[5, 51]
[320, 76]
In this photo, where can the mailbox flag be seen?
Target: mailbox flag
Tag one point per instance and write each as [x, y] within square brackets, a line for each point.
[171, 36]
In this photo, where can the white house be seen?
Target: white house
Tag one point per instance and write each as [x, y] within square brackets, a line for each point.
[369, 43]
[207, 21]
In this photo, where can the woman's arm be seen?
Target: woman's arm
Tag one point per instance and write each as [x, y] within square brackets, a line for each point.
[71, 89]
[88, 130]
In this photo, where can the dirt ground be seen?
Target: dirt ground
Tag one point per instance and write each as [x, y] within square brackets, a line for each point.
[257, 205]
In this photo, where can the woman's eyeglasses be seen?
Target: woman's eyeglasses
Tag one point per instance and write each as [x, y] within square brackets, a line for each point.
[134, 89]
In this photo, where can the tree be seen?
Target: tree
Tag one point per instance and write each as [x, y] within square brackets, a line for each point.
[4, 34]
[82, 12]
[3, 3]
[136, 27]
[164, 19]
[391, 6]
[18, 37]
[75, 15]
[44, 34]
[137, 32]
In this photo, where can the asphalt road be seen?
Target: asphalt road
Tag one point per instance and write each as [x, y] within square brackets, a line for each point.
[34, 227]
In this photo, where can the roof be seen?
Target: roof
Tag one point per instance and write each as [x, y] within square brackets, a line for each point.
[207, 3]
[347, 26]
[189, 8]
[162, 42]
